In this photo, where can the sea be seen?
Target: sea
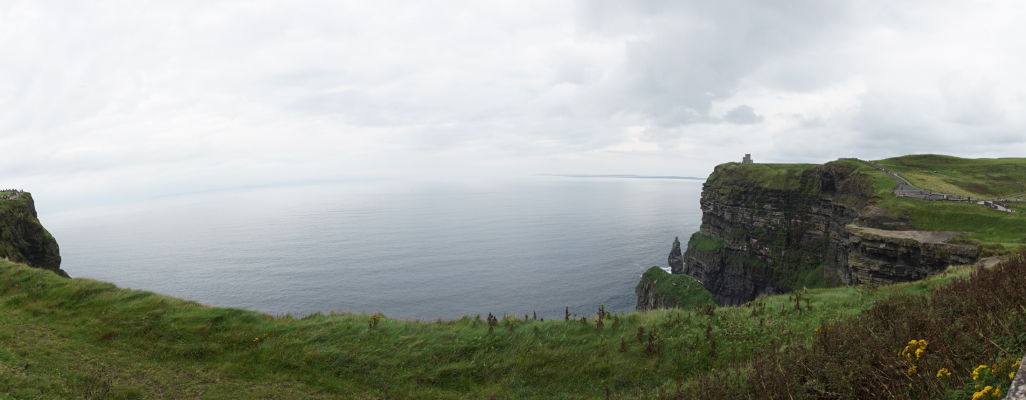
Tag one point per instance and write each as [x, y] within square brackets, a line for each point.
[408, 250]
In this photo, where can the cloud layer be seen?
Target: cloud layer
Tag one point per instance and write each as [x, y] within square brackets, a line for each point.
[152, 98]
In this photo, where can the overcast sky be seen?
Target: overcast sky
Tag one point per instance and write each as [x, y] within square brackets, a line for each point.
[140, 98]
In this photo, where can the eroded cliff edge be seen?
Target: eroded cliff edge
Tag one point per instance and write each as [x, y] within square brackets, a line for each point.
[773, 228]
[23, 238]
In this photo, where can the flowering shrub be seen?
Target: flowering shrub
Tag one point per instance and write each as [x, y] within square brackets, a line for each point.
[979, 317]
[912, 352]
[987, 381]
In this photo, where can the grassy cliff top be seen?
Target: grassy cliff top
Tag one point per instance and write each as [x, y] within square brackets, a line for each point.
[983, 178]
[78, 338]
[997, 231]
[770, 176]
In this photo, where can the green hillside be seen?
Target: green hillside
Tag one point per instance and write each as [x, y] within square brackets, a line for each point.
[77, 338]
[982, 178]
[997, 231]
[961, 341]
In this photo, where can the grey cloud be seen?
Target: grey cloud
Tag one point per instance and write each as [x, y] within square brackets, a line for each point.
[213, 93]
[743, 114]
[688, 54]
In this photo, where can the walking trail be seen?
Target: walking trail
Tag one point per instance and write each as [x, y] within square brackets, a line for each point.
[905, 188]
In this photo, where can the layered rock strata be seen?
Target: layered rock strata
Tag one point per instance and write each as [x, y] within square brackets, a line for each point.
[771, 229]
[883, 256]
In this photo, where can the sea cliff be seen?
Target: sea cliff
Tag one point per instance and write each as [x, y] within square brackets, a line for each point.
[773, 228]
[23, 238]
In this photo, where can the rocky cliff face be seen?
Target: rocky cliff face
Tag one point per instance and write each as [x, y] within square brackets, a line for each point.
[773, 229]
[886, 256]
[23, 239]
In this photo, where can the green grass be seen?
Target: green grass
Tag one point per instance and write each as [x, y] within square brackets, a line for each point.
[998, 231]
[770, 176]
[685, 291]
[970, 322]
[703, 242]
[983, 178]
[78, 338]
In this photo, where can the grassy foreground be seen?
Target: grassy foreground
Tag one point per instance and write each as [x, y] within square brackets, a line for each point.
[962, 341]
[78, 338]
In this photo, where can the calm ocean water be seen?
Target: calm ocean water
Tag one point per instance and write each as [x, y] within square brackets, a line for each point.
[421, 251]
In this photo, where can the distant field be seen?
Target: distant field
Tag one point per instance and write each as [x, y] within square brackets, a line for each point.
[982, 178]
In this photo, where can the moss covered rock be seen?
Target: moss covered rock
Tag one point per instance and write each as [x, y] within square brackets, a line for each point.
[23, 239]
[660, 289]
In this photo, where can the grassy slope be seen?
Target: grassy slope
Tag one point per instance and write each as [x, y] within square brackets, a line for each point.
[965, 324]
[1000, 232]
[79, 338]
[984, 178]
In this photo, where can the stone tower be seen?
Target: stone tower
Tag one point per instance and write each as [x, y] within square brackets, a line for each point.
[747, 159]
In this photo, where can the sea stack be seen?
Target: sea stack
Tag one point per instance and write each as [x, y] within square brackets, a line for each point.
[676, 259]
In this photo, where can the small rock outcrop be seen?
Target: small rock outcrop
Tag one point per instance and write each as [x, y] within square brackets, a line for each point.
[660, 289]
[676, 258]
[649, 298]
[23, 239]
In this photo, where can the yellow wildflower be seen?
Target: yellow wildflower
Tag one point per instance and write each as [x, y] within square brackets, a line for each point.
[912, 369]
[943, 372]
[1011, 375]
[1016, 364]
[914, 347]
[983, 393]
[977, 371]
[997, 393]
[256, 340]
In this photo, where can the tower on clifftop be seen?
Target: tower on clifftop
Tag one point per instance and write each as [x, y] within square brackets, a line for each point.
[747, 159]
